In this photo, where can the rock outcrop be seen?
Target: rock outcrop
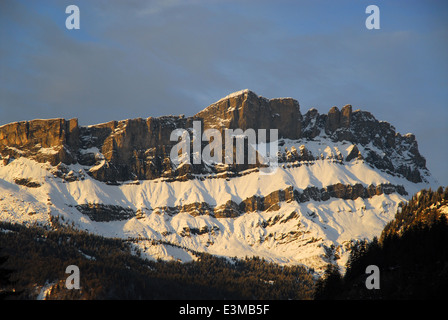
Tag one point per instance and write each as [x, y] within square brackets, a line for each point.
[232, 209]
[246, 110]
[103, 212]
[53, 140]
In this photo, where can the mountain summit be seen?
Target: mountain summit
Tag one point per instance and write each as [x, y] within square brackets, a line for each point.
[340, 178]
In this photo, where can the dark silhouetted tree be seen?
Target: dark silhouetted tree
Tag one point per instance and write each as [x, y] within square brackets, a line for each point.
[5, 281]
[329, 284]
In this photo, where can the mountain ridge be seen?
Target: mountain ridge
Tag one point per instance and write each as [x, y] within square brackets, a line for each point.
[139, 148]
[340, 178]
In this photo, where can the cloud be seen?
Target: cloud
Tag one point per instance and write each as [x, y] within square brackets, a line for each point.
[140, 59]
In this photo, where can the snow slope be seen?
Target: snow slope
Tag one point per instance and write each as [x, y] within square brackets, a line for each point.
[311, 233]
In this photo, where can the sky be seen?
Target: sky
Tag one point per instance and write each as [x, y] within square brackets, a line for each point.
[136, 59]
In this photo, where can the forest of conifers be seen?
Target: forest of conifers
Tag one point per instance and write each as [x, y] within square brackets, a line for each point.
[411, 254]
[109, 270]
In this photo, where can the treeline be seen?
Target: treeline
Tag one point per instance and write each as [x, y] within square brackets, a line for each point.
[412, 255]
[422, 209]
[39, 256]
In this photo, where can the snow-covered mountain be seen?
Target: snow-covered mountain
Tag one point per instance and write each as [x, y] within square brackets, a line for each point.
[340, 178]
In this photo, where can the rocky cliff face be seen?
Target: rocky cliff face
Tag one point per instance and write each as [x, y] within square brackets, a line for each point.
[245, 110]
[54, 140]
[139, 149]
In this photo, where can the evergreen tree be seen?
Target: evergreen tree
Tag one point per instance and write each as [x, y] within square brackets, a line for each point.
[328, 286]
[5, 281]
